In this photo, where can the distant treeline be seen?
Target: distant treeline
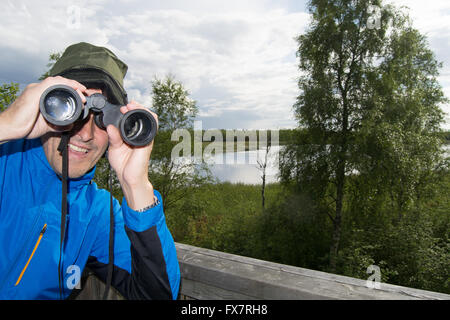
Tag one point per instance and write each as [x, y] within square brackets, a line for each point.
[285, 136]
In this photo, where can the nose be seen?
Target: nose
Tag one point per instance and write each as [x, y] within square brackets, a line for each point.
[86, 131]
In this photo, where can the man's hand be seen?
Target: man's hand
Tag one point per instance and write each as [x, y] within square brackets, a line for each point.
[22, 119]
[131, 164]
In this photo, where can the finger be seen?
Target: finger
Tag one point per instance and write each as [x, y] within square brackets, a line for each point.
[83, 97]
[71, 83]
[76, 85]
[115, 140]
[124, 109]
[132, 105]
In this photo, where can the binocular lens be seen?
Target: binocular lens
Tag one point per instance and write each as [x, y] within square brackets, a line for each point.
[138, 127]
[60, 105]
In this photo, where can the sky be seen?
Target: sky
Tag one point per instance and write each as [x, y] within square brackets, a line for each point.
[236, 58]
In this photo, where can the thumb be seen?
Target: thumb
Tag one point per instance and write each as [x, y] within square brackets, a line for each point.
[115, 140]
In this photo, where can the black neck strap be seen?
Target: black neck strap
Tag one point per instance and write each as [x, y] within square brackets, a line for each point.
[62, 148]
[111, 236]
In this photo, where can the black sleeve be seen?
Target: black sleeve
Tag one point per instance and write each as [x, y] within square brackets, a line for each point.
[145, 260]
[148, 279]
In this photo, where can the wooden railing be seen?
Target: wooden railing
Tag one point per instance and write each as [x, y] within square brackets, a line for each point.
[209, 274]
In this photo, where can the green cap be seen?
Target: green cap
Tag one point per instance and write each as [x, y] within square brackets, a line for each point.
[93, 66]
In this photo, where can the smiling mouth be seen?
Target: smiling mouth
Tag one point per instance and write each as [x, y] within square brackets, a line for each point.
[77, 149]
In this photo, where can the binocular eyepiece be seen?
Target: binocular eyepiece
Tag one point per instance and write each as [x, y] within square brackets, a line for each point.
[61, 105]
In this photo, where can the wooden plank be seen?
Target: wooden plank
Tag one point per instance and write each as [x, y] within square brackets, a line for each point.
[237, 277]
[93, 289]
[209, 274]
[201, 291]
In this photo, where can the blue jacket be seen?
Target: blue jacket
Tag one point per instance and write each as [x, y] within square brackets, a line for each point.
[145, 262]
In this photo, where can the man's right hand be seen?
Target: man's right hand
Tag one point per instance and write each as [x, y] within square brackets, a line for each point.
[22, 119]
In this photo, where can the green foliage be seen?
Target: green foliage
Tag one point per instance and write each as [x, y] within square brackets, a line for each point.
[8, 93]
[173, 178]
[220, 216]
[172, 104]
[53, 57]
[412, 251]
[445, 136]
[369, 105]
[101, 177]
[293, 232]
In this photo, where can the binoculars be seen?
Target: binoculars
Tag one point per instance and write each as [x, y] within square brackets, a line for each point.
[61, 105]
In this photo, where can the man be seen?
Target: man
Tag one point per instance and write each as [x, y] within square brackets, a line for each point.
[145, 262]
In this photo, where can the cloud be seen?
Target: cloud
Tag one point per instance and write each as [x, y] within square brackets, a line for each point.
[241, 61]
[232, 56]
[236, 58]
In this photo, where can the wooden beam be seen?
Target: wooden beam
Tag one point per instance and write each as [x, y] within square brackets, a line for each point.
[209, 274]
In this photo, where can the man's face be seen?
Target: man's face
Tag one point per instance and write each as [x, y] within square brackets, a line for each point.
[87, 144]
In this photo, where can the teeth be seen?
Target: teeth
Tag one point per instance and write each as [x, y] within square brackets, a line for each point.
[75, 148]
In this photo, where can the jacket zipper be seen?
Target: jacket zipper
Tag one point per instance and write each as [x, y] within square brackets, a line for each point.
[41, 234]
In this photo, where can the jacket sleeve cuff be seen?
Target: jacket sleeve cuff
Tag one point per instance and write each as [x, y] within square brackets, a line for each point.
[141, 221]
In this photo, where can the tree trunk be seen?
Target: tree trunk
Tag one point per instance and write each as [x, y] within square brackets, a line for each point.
[263, 167]
[340, 181]
[263, 190]
[334, 248]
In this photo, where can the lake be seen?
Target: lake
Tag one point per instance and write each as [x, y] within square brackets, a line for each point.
[244, 168]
